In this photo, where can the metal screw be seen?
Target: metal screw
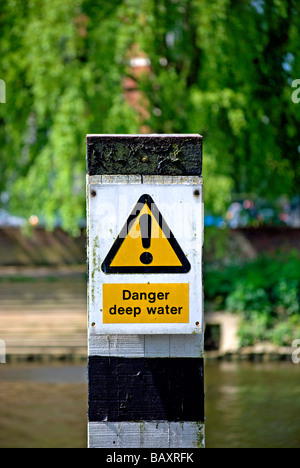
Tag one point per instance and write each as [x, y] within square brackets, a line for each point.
[93, 193]
[197, 193]
[93, 324]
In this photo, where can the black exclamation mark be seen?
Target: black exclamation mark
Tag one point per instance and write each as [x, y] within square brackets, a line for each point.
[146, 228]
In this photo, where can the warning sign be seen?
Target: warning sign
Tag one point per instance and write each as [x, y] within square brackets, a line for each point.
[146, 244]
[145, 241]
[145, 303]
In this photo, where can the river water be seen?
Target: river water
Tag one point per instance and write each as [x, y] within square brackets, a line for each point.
[253, 405]
[247, 405]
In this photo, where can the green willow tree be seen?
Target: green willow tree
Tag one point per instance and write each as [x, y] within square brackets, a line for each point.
[220, 68]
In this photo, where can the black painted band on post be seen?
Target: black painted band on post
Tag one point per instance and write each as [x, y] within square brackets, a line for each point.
[177, 155]
[146, 389]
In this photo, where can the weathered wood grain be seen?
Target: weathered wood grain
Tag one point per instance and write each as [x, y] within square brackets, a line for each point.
[144, 154]
[148, 434]
[145, 389]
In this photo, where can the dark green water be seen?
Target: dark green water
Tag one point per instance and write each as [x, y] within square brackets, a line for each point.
[252, 405]
[247, 405]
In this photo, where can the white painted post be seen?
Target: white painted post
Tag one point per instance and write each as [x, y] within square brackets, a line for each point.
[145, 324]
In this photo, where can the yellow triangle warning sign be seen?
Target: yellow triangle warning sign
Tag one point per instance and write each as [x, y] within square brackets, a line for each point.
[146, 244]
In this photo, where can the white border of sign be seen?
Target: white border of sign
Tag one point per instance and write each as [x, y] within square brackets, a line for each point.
[180, 200]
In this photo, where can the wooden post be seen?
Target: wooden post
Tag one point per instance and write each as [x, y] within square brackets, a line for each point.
[145, 324]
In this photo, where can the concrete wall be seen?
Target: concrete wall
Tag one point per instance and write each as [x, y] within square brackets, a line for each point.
[57, 248]
[40, 248]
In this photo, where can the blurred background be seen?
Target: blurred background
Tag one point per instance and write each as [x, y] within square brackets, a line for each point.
[225, 69]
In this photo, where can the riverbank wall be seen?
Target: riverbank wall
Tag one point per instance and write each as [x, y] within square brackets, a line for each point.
[43, 307]
[40, 247]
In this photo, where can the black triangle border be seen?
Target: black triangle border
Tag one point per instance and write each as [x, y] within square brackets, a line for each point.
[147, 269]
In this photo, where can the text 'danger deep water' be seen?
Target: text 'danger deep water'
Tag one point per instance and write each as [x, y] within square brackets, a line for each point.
[146, 303]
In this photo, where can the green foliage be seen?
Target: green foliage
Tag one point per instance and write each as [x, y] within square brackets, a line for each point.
[266, 294]
[56, 59]
[216, 244]
[286, 295]
[247, 298]
[223, 69]
[254, 331]
[284, 333]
